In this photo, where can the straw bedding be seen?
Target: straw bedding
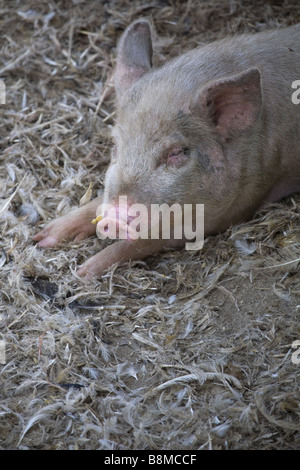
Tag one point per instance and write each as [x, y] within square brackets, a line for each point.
[181, 351]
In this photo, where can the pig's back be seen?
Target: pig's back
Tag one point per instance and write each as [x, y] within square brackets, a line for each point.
[276, 53]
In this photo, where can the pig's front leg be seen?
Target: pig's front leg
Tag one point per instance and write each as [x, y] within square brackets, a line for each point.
[71, 227]
[122, 250]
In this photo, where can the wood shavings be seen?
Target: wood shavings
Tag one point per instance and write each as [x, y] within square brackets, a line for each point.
[179, 351]
[87, 196]
[4, 204]
[2, 352]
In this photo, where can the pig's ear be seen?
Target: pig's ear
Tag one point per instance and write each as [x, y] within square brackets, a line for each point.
[233, 104]
[134, 57]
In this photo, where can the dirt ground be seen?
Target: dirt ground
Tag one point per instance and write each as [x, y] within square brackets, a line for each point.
[184, 350]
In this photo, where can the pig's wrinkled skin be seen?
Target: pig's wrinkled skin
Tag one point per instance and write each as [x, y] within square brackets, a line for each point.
[215, 126]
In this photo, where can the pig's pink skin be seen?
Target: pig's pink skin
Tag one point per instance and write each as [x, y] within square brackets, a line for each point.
[74, 226]
[215, 126]
[229, 103]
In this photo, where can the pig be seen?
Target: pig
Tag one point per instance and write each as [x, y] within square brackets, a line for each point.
[215, 126]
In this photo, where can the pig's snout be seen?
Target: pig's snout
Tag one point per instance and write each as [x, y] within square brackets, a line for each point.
[116, 223]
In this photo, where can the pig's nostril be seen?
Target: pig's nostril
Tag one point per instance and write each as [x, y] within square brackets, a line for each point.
[130, 218]
[116, 222]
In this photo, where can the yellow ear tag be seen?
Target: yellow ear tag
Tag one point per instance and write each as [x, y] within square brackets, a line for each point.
[98, 218]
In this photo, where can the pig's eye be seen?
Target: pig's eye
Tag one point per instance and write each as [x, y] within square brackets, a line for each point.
[177, 157]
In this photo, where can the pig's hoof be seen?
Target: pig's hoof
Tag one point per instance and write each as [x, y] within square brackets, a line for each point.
[62, 230]
[96, 265]
[85, 273]
[81, 272]
[45, 240]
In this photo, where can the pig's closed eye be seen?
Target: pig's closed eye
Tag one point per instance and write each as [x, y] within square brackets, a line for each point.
[177, 157]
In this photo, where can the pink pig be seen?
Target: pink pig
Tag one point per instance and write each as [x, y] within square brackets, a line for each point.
[215, 126]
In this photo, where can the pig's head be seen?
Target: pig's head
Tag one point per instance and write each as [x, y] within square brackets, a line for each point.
[179, 136]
